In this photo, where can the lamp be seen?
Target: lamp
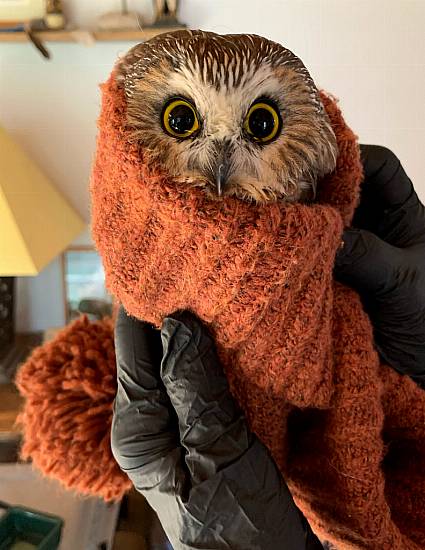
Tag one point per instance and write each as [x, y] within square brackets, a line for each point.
[36, 224]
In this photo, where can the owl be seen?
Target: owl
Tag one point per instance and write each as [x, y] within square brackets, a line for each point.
[237, 115]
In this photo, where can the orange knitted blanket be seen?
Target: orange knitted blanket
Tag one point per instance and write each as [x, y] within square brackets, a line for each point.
[297, 347]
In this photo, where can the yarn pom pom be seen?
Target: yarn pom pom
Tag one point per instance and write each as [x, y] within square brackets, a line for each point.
[70, 385]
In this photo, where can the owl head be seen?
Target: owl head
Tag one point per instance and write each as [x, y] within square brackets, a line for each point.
[238, 115]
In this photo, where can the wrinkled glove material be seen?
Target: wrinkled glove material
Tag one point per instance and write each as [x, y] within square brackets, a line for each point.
[185, 444]
[297, 346]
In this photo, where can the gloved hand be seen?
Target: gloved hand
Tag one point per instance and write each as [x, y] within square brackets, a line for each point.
[383, 258]
[176, 430]
[185, 445]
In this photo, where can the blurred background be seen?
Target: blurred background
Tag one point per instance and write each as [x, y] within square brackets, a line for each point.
[369, 54]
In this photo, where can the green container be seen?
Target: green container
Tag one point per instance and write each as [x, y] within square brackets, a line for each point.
[25, 529]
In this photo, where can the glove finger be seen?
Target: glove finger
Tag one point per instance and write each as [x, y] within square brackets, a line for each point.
[389, 205]
[144, 426]
[212, 428]
[367, 263]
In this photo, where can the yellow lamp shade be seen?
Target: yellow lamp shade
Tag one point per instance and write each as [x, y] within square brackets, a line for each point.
[36, 222]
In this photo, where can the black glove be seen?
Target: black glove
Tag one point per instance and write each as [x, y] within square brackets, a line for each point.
[185, 445]
[383, 258]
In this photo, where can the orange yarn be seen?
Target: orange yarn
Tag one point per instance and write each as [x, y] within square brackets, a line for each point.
[69, 385]
[348, 433]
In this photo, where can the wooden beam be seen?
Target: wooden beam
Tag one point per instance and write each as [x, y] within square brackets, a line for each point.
[85, 36]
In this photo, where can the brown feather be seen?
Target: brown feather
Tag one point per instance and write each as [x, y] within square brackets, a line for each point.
[223, 75]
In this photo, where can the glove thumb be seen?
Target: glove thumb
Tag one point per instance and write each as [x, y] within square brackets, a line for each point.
[367, 263]
[212, 428]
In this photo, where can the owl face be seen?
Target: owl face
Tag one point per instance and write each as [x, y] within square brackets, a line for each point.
[238, 115]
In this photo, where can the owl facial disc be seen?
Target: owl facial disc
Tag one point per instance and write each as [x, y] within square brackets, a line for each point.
[238, 115]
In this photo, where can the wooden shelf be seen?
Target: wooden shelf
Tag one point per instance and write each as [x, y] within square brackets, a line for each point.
[87, 36]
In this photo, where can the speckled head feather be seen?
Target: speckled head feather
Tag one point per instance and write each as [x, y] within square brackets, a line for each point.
[223, 77]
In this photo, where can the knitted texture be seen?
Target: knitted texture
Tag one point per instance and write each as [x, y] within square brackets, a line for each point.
[69, 385]
[347, 432]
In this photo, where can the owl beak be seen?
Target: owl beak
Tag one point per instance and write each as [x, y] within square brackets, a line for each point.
[221, 178]
[222, 165]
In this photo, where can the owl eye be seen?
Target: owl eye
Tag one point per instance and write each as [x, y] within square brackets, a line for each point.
[179, 118]
[263, 121]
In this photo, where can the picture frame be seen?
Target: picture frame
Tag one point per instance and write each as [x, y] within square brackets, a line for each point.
[83, 280]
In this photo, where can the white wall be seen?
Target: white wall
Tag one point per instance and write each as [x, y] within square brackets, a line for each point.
[369, 53]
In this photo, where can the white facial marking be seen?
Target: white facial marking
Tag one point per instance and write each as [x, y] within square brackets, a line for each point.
[224, 110]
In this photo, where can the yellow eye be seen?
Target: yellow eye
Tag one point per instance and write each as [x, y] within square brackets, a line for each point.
[179, 118]
[263, 121]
